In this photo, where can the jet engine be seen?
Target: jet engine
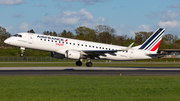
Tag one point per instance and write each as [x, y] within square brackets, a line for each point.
[57, 55]
[71, 54]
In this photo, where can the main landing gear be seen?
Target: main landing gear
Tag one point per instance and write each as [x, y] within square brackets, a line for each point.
[78, 63]
[88, 64]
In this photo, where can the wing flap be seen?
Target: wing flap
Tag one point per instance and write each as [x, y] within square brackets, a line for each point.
[99, 52]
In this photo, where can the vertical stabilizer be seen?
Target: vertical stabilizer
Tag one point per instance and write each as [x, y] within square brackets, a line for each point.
[153, 42]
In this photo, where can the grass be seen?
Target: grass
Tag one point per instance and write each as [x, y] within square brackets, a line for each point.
[89, 88]
[95, 64]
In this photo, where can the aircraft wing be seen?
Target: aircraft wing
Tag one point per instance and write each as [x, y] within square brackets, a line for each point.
[102, 52]
[99, 52]
[96, 53]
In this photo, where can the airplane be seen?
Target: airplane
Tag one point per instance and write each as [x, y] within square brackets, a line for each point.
[61, 47]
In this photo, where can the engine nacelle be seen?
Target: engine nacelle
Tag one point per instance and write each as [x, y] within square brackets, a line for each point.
[71, 54]
[57, 55]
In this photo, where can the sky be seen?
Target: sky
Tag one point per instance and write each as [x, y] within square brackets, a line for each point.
[125, 16]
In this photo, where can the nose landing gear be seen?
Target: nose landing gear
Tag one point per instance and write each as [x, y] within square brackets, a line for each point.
[22, 51]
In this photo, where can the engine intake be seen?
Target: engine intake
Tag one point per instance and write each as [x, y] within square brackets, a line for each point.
[71, 54]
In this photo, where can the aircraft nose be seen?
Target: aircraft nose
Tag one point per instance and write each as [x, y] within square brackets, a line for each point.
[7, 41]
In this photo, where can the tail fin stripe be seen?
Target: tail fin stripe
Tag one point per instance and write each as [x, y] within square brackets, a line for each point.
[156, 42]
[156, 46]
[157, 39]
[151, 46]
[151, 38]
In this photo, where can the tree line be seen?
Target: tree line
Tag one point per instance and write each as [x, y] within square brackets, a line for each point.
[106, 34]
[102, 34]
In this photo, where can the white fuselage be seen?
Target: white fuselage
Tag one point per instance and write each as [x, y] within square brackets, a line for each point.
[61, 45]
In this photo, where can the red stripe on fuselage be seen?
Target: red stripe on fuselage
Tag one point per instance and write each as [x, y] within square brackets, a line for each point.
[156, 46]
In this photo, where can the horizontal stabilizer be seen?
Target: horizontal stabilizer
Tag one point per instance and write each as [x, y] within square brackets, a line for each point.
[156, 55]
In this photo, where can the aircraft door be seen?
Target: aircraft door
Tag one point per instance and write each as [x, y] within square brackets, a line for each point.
[131, 53]
[30, 38]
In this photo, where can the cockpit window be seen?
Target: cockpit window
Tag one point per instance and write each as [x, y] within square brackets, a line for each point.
[17, 35]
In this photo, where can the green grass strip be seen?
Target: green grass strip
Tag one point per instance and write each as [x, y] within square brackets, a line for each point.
[89, 88]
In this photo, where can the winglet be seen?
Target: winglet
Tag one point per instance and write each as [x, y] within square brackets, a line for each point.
[129, 47]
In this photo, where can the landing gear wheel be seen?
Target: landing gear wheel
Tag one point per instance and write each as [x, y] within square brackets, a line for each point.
[78, 63]
[22, 51]
[21, 55]
[89, 64]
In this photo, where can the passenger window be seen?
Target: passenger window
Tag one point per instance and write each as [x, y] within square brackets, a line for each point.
[85, 45]
[89, 45]
[73, 43]
[93, 46]
[81, 44]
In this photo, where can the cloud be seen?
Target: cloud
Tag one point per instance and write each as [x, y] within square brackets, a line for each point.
[131, 30]
[17, 15]
[175, 6]
[169, 15]
[172, 27]
[170, 24]
[11, 2]
[24, 26]
[67, 20]
[88, 2]
[123, 29]
[72, 20]
[40, 5]
[152, 15]
[144, 27]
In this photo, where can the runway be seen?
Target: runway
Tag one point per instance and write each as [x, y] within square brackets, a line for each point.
[88, 71]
